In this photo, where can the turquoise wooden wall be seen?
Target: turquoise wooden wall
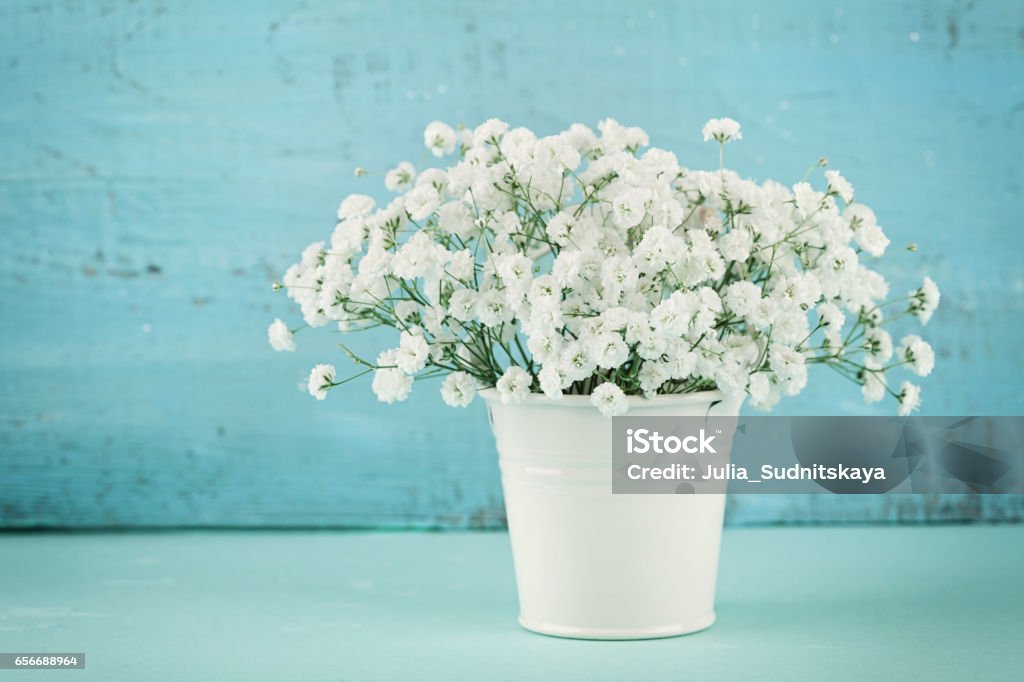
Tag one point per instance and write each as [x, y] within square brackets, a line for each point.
[161, 163]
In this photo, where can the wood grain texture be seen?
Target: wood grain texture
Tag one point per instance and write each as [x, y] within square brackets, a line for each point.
[160, 164]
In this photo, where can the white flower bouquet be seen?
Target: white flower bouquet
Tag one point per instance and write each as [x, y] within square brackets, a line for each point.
[579, 263]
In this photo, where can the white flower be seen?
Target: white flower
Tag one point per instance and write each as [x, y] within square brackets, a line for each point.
[514, 269]
[421, 201]
[609, 399]
[412, 353]
[551, 381]
[545, 290]
[651, 345]
[462, 304]
[461, 265]
[742, 297]
[575, 363]
[458, 389]
[652, 375]
[618, 274]
[433, 176]
[629, 207]
[918, 353]
[514, 385]
[736, 245]
[488, 131]
[874, 387]
[878, 345]
[910, 398]
[657, 248]
[831, 319]
[280, 336]
[439, 138]
[400, 178]
[615, 137]
[417, 257]
[801, 290]
[759, 387]
[581, 254]
[868, 234]
[320, 379]
[681, 362]
[492, 308]
[672, 317]
[546, 345]
[456, 218]
[872, 239]
[925, 300]
[559, 228]
[838, 265]
[346, 240]
[355, 206]
[608, 350]
[722, 130]
[390, 384]
[790, 367]
[839, 185]
[764, 393]
[580, 138]
[808, 200]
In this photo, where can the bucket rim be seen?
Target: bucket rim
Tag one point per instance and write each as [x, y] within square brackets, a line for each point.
[635, 401]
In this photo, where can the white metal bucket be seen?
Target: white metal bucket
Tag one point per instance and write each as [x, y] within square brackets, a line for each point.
[590, 564]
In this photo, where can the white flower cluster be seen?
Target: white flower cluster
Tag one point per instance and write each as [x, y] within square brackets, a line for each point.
[579, 264]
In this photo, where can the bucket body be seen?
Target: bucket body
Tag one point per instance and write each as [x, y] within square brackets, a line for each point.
[590, 564]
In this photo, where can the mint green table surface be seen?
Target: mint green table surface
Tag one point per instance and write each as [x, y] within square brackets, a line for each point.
[905, 603]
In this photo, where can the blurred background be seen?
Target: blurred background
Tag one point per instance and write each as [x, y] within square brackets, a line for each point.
[161, 164]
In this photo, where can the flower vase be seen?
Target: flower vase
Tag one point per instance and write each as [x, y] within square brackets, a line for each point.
[591, 564]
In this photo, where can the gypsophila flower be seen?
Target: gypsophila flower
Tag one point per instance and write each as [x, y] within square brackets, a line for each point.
[587, 263]
[355, 206]
[412, 353]
[878, 345]
[400, 178]
[874, 386]
[280, 337]
[610, 400]
[458, 389]
[831, 319]
[910, 398]
[925, 300]
[629, 207]
[760, 387]
[488, 131]
[839, 185]
[722, 130]
[320, 379]
[866, 232]
[422, 201]
[551, 381]
[608, 350]
[918, 354]
[390, 383]
[439, 138]
[790, 367]
[514, 385]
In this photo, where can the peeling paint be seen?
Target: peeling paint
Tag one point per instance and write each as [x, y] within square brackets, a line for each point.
[161, 166]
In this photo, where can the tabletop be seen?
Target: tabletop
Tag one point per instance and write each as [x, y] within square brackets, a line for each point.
[809, 603]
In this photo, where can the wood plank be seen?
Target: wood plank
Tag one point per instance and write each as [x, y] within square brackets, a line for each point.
[161, 164]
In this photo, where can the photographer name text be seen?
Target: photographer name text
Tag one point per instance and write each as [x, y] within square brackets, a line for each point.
[643, 441]
[732, 472]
